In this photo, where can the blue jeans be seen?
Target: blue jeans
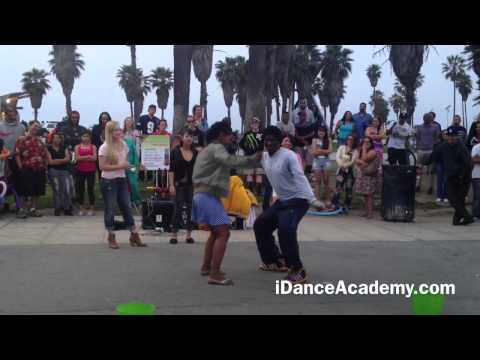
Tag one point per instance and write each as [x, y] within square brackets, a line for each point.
[476, 197]
[284, 216]
[441, 182]
[116, 190]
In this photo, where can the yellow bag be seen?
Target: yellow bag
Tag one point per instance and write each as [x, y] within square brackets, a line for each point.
[240, 200]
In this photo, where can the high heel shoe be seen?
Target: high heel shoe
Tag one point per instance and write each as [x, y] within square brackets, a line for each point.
[135, 240]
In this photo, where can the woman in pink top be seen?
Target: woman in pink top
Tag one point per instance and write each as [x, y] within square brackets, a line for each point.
[86, 155]
[113, 159]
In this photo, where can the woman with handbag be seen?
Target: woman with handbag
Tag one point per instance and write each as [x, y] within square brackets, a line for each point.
[366, 182]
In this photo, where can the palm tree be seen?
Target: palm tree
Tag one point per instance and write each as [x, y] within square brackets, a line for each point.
[320, 89]
[135, 85]
[407, 61]
[398, 103]
[256, 76]
[241, 71]
[402, 91]
[270, 83]
[283, 59]
[380, 105]
[453, 69]
[36, 84]
[66, 64]
[133, 55]
[465, 87]
[336, 65]
[373, 73]
[202, 59]
[162, 79]
[182, 59]
[473, 59]
[306, 65]
[226, 76]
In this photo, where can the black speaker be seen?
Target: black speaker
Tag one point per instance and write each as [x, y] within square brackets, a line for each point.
[398, 195]
[157, 214]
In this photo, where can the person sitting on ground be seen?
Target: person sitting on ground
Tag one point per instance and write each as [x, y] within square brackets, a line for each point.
[457, 163]
[294, 197]
[344, 128]
[321, 149]
[58, 160]
[366, 181]
[211, 177]
[182, 161]
[346, 157]
[32, 160]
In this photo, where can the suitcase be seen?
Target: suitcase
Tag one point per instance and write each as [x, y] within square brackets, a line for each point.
[398, 192]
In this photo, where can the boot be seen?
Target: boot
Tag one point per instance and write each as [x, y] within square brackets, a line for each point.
[135, 240]
[112, 243]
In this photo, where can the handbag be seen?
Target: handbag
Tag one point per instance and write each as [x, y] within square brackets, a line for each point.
[372, 168]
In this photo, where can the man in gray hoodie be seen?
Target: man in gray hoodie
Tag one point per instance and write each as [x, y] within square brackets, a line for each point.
[10, 130]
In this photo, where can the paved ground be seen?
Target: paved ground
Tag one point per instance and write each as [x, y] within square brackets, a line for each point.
[62, 266]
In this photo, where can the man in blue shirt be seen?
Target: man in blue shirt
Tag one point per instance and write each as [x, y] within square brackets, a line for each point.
[202, 123]
[148, 123]
[361, 120]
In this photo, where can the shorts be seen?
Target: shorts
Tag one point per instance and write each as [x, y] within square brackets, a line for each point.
[423, 156]
[321, 164]
[31, 182]
[208, 210]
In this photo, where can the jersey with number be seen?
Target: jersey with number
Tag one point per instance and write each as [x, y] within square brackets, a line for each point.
[148, 125]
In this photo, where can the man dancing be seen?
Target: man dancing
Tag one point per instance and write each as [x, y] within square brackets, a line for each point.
[294, 195]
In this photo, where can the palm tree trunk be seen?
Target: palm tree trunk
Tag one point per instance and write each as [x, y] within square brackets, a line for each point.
[131, 109]
[374, 102]
[454, 99]
[163, 111]
[325, 113]
[466, 116]
[68, 104]
[203, 98]
[35, 114]
[277, 102]
[133, 55]
[228, 112]
[182, 58]
[256, 84]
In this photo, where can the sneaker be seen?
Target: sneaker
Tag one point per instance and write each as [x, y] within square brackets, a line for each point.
[467, 221]
[190, 241]
[22, 214]
[445, 201]
[81, 213]
[34, 213]
[90, 213]
[297, 277]
[173, 241]
[439, 200]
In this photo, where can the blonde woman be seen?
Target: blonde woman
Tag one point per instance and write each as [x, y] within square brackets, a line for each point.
[113, 164]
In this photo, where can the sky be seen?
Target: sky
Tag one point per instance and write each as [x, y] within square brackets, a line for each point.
[97, 89]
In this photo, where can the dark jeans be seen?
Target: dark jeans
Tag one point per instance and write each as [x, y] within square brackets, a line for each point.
[62, 194]
[267, 196]
[284, 216]
[183, 196]
[476, 197]
[344, 179]
[89, 178]
[441, 181]
[457, 190]
[397, 156]
[116, 190]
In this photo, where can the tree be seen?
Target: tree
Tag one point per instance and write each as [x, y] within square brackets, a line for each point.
[36, 84]
[453, 69]
[135, 85]
[202, 59]
[473, 59]
[283, 59]
[306, 65]
[256, 75]
[241, 71]
[182, 59]
[320, 89]
[226, 75]
[407, 61]
[161, 79]
[270, 84]
[335, 66]
[373, 73]
[402, 91]
[398, 103]
[66, 64]
[465, 87]
[379, 105]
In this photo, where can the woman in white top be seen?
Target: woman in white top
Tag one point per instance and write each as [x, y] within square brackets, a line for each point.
[113, 163]
[320, 150]
[346, 156]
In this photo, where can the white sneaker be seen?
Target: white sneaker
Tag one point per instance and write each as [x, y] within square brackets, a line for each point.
[439, 200]
[445, 201]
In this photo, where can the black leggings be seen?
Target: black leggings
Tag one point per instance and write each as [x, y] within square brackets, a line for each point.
[184, 195]
[89, 177]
